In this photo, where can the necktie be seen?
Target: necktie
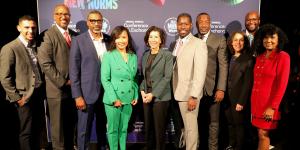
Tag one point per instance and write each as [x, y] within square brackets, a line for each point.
[201, 36]
[250, 37]
[68, 39]
[179, 47]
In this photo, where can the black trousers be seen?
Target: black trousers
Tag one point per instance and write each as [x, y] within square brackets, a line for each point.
[236, 124]
[156, 118]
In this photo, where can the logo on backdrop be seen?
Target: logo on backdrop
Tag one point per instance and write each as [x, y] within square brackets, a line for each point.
[170, 26]
[105, 26]
[92, 4]
[217, 27]
[136, 25]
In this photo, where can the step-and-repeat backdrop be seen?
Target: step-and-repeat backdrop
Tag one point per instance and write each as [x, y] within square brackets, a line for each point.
[139, 15]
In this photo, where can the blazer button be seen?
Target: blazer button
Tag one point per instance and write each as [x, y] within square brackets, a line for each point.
[129, 91]
[121, 80]
[122, 92]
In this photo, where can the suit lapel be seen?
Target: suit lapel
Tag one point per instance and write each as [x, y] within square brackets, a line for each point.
[24, 52]
[145, 60]
[91, 47]
[118, 57]
[157, 58]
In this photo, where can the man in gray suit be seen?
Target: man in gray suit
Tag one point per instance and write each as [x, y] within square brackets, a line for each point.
[85, 60]
[216, 77]
[188, 77]
[53, 54]
[21, 79]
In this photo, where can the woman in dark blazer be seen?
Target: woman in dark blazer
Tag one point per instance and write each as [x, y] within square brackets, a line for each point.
[238, 88]
[157, 65]
[118, 77]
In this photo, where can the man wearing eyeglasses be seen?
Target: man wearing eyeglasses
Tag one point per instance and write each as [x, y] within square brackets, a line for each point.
[85, 60]
[53, 56]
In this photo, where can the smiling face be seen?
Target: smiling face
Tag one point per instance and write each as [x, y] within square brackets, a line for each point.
[203, 24]
[154, 40]
[270, 42]
[122, 41]
[62, 16]
[94, 22]
[184, 26]
[238, 42]
[252, 22]
[27, 29]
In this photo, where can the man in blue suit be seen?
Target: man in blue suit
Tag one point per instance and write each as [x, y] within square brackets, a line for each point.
[85, 60]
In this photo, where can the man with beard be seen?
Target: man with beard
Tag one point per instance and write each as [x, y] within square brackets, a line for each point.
[85, 60]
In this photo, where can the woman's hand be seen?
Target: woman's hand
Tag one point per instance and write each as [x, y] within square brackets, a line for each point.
[117, 103]
[149, 97]
[239, 107]
[269, 113]
[144, 96]
[134, 102]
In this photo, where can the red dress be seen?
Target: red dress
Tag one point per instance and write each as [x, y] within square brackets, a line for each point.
[270, 81]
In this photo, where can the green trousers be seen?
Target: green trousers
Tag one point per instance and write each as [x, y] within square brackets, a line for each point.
[117, 121]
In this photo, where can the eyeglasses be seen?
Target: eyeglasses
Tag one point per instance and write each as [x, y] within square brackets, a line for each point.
[63, 14]
[94, 21]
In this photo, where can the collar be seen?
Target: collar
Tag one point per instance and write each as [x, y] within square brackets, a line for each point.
[27, 43]
[61, 30]
[186, 38]
[94, 39]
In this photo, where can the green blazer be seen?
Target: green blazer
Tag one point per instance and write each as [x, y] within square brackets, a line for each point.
[119, 78]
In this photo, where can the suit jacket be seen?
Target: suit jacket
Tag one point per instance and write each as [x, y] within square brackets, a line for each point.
[17, 76]
[84, 68]
[53, 55]
[240, 79]
[119, 78]
[161, 74]
[216, 73]
[188, 79]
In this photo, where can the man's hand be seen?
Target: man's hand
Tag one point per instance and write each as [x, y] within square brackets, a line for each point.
[219, 96]
[22, 101]
[80, 103]
[68, 83]
[192, 103]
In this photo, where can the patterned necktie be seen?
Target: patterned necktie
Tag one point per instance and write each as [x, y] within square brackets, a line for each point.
[250, 37]
[68, 39]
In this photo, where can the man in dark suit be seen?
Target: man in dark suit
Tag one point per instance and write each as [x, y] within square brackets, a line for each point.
[53, 54]
[22, 81]
[216, 77]
[252, 22]
[85, 60]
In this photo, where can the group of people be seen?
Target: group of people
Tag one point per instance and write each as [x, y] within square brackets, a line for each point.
[96, 74]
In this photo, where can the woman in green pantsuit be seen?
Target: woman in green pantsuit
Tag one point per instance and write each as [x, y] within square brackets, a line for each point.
[118, 77]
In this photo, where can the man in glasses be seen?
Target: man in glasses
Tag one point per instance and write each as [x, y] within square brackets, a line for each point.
[85, 60]
[53, 56]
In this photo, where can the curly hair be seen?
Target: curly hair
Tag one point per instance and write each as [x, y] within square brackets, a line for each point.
[268, 30]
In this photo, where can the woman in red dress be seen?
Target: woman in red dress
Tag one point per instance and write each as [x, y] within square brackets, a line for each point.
[271, 73]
